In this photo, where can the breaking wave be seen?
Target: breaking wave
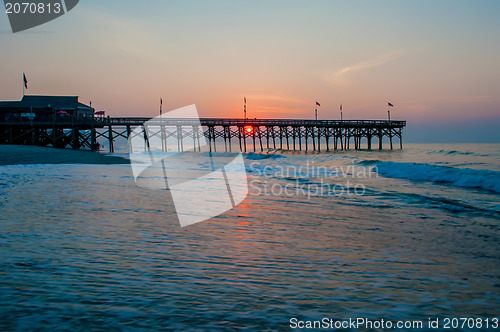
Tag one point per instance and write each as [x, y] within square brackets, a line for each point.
[460, 177]
[260, 156]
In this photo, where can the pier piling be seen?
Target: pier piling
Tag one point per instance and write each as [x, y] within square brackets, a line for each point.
[83, 133]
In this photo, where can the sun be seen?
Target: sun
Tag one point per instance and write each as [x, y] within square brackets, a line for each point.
[248, 129]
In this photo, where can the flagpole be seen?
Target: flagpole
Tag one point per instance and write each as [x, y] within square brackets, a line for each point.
[25, 83]
[389, 117]
[162, 129]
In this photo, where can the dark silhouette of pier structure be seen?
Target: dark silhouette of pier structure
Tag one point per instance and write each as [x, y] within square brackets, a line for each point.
[220, 133]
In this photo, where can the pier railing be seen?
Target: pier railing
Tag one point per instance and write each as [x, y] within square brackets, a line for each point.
[135, 121]
[286, 134]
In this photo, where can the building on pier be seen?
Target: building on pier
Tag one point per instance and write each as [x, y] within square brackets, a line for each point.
[44, 108]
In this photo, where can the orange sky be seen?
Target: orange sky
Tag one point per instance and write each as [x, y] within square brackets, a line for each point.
[435, 61]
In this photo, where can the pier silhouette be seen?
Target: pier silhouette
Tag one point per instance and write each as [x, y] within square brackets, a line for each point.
[284, 134]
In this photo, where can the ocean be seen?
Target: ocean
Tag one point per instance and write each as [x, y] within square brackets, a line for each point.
[410, 234]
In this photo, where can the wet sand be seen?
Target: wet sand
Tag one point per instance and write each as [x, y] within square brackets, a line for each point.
[22, 154]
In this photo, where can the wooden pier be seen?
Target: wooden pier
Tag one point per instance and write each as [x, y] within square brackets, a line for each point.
[220, 133]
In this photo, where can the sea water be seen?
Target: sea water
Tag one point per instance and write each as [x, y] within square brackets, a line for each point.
[406, 234]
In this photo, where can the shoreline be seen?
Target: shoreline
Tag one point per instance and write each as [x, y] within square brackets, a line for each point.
[28, 154]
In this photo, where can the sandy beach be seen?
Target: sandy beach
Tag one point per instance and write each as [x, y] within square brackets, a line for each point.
[20, 154]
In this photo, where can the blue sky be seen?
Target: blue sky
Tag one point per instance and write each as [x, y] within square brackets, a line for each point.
[436, 61]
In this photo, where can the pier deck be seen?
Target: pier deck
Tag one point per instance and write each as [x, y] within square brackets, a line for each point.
[284, 134]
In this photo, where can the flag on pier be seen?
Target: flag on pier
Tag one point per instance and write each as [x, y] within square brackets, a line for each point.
[389, 104]
[318, 104]
[25, 81]
[341, 107]
[245, 99]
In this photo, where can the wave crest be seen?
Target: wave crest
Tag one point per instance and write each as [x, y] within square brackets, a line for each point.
[260, 156]
[460, 177]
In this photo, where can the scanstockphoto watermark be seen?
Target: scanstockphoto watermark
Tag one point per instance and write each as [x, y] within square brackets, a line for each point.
[27, 14]
[431, 323]
[170, 152]
[356, 323]
[309, 180]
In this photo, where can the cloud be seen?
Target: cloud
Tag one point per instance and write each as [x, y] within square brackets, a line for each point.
[129, 37]
[449, 99]
[274, 98]
[463, 99]
[276, 105]
[341, 77]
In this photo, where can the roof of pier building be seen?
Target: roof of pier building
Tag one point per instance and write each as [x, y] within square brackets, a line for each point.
[45, 102]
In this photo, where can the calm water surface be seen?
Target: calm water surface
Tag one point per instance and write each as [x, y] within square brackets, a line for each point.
[83, 248]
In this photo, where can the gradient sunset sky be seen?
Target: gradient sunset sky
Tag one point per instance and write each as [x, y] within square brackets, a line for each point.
[438, 62]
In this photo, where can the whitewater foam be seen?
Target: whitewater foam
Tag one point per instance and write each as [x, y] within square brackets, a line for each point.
[461, 177]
